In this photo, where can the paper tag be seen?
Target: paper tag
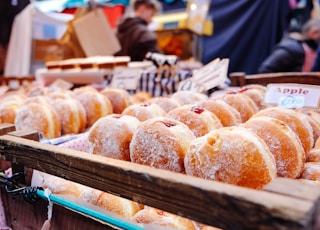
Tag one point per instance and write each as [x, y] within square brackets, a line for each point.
[61, 84]
[212, 74]
[191, 85]
[293, 95]
[126, 78]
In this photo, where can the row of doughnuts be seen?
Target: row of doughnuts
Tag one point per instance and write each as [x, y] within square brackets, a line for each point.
[145, 216]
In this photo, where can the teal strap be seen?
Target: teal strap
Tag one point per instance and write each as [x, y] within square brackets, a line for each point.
[95, 214]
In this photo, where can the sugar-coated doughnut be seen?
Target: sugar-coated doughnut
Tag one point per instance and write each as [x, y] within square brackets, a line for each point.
[227, 115]
[241, 102]
[311, 171]
[297, 123]
[119, 98]
[112, 203]
[39, 117]
[140, 97]
[151, 217]
[314, 119]
[198, 119]
[72, 115]
[161, 142]
[283, 143]
[95, 104]
[166, 103]
[256, 94]
[144, 111]
[188, 97]
[110, 136]
[232, 155]
[8, 110]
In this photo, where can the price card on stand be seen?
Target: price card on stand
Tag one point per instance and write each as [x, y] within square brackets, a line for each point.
[208, 77]
[293, 96]
[126, 78]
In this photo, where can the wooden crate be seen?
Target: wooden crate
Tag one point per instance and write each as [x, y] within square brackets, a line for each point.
[283, 204]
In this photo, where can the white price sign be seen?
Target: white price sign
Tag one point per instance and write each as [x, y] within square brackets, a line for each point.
[126, 78]
[212, 74]
[191, 85]
[293, 96]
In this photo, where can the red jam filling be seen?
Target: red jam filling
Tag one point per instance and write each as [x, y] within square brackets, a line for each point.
[197, 109]
[168, 123]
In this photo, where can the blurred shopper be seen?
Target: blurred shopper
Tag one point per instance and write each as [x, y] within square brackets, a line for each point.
[135, 38]
[296, 52]
[8, 10]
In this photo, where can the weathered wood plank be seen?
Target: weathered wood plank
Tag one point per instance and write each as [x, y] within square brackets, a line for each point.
[212, 203]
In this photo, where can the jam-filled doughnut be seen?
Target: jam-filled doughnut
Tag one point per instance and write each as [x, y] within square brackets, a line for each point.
[110, 136]
[144, 111]
[198, 119]
[241, 102]
[232, 155]
[161, 142]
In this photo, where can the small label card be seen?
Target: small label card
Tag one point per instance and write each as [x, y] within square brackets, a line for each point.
[212, 74]
[293, 96]
[126, 78]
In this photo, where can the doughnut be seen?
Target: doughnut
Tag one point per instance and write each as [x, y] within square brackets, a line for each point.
[241, 102]
[39, 117]
[227, 115]
[38, 91]
[198, 119]
[313, 155]
[119, 98]
[187, 97]
[256, 94]
[166, 103]
[144, 111]
[13, 95]
[311, 171]
[8, 111]
[112, 203]
[283, 143]
[72, 115]
[84, 89]
[151, 217]
[140, 97]
[232, 155]
[314, 119]
[95, 104]
[295, 121]
[161, 142]
[110, 136]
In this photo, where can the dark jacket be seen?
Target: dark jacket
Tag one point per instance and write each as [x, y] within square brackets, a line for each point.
[287, 56]
[135, 39]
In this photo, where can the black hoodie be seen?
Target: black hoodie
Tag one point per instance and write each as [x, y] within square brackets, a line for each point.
[135, 39]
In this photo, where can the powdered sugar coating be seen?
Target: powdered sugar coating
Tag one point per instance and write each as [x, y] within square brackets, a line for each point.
[232, 155]
[161, 146]
[144, 111]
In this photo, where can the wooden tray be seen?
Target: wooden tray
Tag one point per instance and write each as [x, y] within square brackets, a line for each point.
[283, 204]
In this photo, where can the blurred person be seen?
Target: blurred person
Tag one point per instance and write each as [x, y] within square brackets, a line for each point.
[8, 10]
[135, 38]
[296, 52]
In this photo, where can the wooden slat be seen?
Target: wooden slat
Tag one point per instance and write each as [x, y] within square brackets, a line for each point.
[241, 79]
[212, 203]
